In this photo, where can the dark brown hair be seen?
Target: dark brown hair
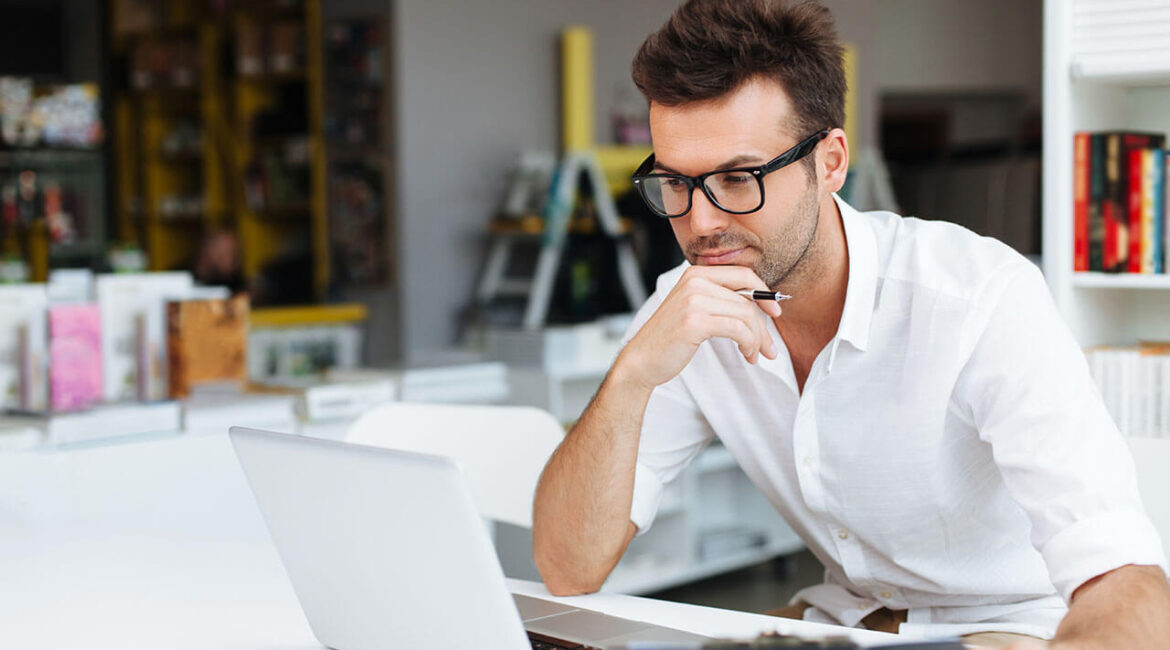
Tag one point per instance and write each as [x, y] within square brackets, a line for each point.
[709, 48]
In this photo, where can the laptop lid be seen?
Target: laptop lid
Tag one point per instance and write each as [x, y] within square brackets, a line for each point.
[384, 548]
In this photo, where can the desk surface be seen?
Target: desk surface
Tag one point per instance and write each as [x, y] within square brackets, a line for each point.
[158, 543]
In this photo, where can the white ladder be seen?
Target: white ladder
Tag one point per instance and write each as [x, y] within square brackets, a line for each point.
[553, 236]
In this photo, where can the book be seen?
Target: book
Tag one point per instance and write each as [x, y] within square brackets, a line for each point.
[70, 286]
[207, 341]
[102, 421]
[448, 378]
[1096, 202]
[1081, 180]
[20, 438]
[1118, 145]
[319, 399]
[1151, 215]
[75, 356]
[1136, 235]
[134, 331]
[23, 349]
[1135, 386]
[205, 412]
[1161, 193]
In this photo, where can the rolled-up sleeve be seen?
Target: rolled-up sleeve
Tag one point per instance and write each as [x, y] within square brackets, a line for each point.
[674, 431]
[1063, 460]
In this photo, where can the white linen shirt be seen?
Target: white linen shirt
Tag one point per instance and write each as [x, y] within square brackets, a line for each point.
[949, 454]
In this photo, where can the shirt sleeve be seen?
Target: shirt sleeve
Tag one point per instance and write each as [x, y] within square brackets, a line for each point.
[1030, 395]
[674, 431]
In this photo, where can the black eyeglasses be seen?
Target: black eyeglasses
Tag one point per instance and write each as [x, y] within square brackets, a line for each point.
[739, 190]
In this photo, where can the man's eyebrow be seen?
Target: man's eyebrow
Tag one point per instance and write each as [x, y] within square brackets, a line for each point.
[737, 161]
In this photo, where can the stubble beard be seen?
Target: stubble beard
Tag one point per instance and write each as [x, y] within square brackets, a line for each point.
[784, 257]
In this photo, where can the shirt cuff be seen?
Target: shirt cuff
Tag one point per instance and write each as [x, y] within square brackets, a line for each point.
[647, 493]
[1098, 545]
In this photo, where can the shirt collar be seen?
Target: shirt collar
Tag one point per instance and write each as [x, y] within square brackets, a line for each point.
[861, 291]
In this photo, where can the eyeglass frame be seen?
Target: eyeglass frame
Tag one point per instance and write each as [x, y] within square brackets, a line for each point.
[797, 152]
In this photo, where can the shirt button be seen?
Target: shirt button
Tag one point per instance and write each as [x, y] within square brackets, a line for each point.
[808, 461]
[842, 534]
[886, 594]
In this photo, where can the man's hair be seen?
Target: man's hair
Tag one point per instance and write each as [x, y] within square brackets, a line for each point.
[709, 48]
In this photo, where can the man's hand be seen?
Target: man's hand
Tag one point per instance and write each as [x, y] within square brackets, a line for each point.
[701, 306]
[1126, 608]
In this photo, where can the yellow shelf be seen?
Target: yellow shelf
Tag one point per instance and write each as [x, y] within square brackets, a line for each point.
[618, 162]
[338, 314]
[223, 105]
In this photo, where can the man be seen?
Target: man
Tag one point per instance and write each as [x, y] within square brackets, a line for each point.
[917, 411]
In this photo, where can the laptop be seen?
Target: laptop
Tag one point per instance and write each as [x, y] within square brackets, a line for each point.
[385, 549]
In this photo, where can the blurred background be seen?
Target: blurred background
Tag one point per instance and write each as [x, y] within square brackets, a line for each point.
[359, 151]
[428, 200]
[283, 213]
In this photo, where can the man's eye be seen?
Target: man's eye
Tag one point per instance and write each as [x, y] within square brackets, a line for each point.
[674, 183]
[735, 179]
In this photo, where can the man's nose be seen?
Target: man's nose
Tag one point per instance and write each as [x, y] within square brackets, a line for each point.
[706, 217]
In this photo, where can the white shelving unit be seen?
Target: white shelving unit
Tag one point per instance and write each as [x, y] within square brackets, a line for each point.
[1106, 67]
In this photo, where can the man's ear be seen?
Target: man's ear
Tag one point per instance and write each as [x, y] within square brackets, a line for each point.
[833, 159]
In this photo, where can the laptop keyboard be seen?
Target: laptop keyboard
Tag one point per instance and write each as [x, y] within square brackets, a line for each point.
[542, 642]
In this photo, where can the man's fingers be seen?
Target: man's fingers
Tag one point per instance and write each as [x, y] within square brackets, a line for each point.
[738, 331]
[769, 307]
[734, 278]
[735, 306]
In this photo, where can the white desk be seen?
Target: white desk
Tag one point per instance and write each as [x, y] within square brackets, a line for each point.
[157, 543]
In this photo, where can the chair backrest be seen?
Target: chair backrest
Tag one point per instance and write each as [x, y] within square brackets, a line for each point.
[1151, 458]
[501, 449]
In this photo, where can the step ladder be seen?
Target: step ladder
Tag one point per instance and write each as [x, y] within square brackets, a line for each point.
[552, 231]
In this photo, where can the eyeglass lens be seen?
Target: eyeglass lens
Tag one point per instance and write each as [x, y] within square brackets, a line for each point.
[732, 191]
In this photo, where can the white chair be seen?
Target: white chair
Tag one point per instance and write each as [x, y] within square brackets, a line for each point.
[501, 449]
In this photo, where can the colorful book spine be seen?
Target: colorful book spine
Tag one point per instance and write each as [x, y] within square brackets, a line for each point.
[75, 356]
[1081, 180]
[1097, 202]
[1118, 146]
[1148, 210]
[1161, 210]
[1113, 208]
[1134, 217]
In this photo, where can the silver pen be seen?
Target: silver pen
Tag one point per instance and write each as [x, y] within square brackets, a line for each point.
[756, 294]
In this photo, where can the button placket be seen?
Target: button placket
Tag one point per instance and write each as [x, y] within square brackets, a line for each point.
[806, 451]
[852, 560]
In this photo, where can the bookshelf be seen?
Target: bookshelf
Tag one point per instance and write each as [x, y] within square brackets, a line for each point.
[219, 125]
[1100, 73]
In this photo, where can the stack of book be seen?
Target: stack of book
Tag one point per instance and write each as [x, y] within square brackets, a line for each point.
[1120, 194]
[1135, 385]
[319, 398]
[213, 409]
[453, 377]
[87, 357]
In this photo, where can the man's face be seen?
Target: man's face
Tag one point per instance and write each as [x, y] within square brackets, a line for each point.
[744, 129]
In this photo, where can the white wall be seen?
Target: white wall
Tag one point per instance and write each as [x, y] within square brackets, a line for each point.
[476, 83]
[959, 45]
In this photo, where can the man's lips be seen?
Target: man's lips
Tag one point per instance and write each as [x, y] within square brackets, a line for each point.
[719, 257]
